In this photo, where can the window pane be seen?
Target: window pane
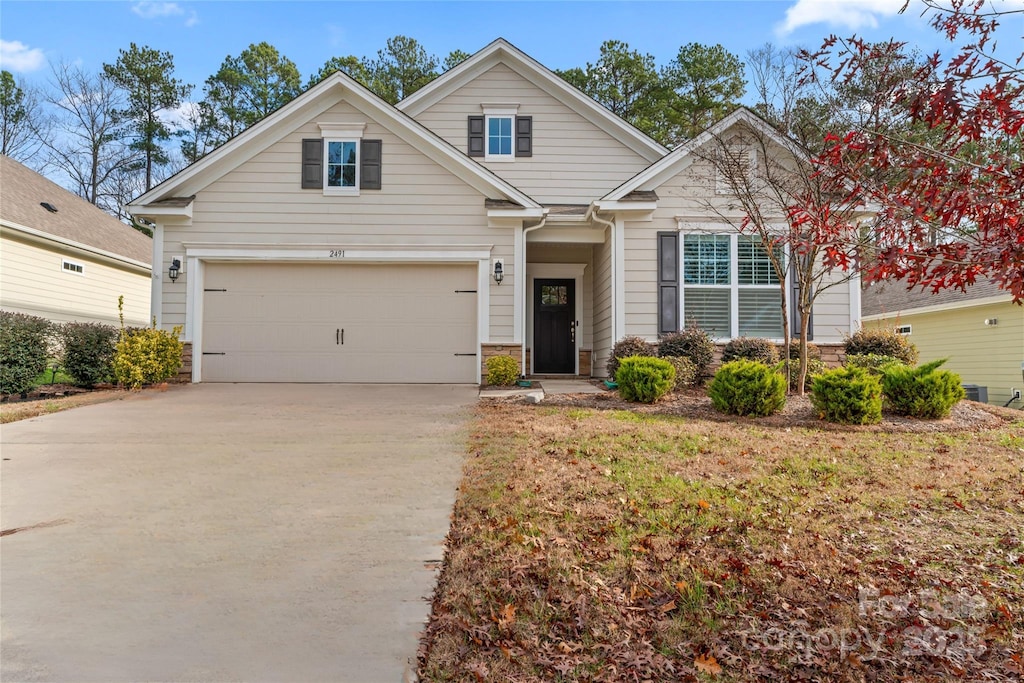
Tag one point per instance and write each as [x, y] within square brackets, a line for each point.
[754, 267]
[499, 135]
[334, 176]
[334, 152]
[348, 176]
[706, 260]
[350, 152]
[760, 313]
[551, 295]
[494, 126]
[708, 309]
[506, 146]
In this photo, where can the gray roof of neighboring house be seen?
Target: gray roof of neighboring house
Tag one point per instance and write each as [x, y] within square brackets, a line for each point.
[894, 297]
[22, 192]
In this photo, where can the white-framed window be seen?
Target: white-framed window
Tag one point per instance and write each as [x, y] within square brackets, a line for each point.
[72, 267]
[341, 157]
[729, 287]
[500, 132]
[906, 329]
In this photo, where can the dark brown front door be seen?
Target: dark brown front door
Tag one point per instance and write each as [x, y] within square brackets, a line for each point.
[554, 326]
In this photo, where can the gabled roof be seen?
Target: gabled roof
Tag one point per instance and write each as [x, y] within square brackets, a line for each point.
[892, 298]
[502, 52]
[312, 102]
[77, 222]
[678, 159]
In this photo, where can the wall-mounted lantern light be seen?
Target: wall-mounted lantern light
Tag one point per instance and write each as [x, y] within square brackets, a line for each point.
[174, 270]
[499, 271]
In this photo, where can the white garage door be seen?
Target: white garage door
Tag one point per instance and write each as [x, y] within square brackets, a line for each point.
[274, 322]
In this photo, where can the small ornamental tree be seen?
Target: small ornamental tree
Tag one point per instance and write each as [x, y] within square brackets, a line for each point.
[949, 183]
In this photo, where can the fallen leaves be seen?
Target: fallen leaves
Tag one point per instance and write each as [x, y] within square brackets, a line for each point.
[707, 664]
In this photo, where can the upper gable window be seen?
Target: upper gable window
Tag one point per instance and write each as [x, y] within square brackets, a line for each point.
[342, 167]
[340, 161]
[500, 134]
[499, 137]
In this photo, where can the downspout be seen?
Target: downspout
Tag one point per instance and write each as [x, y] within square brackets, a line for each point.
[526, 293]
[592, 215]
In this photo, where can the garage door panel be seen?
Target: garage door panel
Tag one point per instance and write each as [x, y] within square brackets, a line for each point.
[283, 323]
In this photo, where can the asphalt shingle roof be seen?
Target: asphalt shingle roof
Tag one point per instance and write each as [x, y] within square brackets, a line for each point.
[894, 297]
[22, 193]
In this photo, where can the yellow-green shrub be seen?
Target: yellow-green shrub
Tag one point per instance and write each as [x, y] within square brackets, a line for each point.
[146, 356]
[502, 370]
[747, 387]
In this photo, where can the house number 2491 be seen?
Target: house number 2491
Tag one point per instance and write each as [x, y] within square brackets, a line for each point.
[337, 253]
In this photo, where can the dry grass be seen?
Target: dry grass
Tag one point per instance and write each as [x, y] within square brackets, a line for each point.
[23, 410]
[612, 545]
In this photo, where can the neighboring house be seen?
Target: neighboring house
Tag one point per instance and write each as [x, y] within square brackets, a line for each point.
[63, 259]
[343, 239]
[980, 331]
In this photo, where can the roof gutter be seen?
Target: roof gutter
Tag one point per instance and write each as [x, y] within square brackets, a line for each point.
[40, 236]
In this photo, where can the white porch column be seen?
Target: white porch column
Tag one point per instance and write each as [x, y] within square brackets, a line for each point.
[156, 284]
[618, 280]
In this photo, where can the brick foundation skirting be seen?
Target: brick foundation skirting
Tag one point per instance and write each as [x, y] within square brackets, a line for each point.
[184, 375]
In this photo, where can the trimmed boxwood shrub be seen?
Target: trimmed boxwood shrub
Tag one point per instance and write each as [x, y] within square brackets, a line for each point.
[751, 348]
[849, 395]
[626, 347]
[747, 387]
[644, 379]
[502, 371]
[24, 348]
[881, 343]
[693, 343]
[87, 352]
[686, 372]
[872, 362]
[815, 366]
[794, 350]
[924, 392]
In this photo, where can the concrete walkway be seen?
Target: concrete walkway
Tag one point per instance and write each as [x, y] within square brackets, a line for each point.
[227, 532]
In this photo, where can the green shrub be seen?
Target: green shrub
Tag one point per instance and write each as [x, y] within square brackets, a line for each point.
[502, 371]
[693, 343]
[881, 343]
[924, 392]
[747, 387]
[751, 348]
[146, 356]
[686, 372]
[815, 366]
[794, 350]
[624, 348]
[644, 379]
[872, 362]
[24, 348]
[87, 352]
[850, 395]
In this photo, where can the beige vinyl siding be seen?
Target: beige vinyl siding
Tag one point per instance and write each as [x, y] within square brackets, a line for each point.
[690, 198]
[420, 204]
[987, 355]
[573, 162]
[603, 323]
[33, 281]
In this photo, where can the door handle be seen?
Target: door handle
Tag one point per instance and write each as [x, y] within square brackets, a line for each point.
[337, 333]
[572, 332]
[339, 336]
[343, 336]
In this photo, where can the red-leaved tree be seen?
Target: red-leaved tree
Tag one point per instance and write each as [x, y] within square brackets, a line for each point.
[949, 182]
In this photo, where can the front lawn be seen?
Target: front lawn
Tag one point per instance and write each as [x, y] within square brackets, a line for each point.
[614, 545]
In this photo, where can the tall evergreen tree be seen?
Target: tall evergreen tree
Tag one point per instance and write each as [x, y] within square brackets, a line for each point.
[400, 69]
[268, 81]
[146, 76]
[708, 84]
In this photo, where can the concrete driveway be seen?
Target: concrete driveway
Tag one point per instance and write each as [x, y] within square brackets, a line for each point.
[227, 532]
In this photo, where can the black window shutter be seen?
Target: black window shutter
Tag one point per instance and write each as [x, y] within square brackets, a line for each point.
[524, 136]
[476, 136]
[668, 282]
[369, 164]
[312, 164]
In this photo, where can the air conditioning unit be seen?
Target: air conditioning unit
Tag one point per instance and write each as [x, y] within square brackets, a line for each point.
[976, 393]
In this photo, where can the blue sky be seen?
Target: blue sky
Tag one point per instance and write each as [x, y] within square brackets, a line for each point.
[558, 34]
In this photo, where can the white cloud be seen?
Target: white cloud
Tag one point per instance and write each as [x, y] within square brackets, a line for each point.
[153, 10]
[192, 20]
[849, 14]
[18, 57]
